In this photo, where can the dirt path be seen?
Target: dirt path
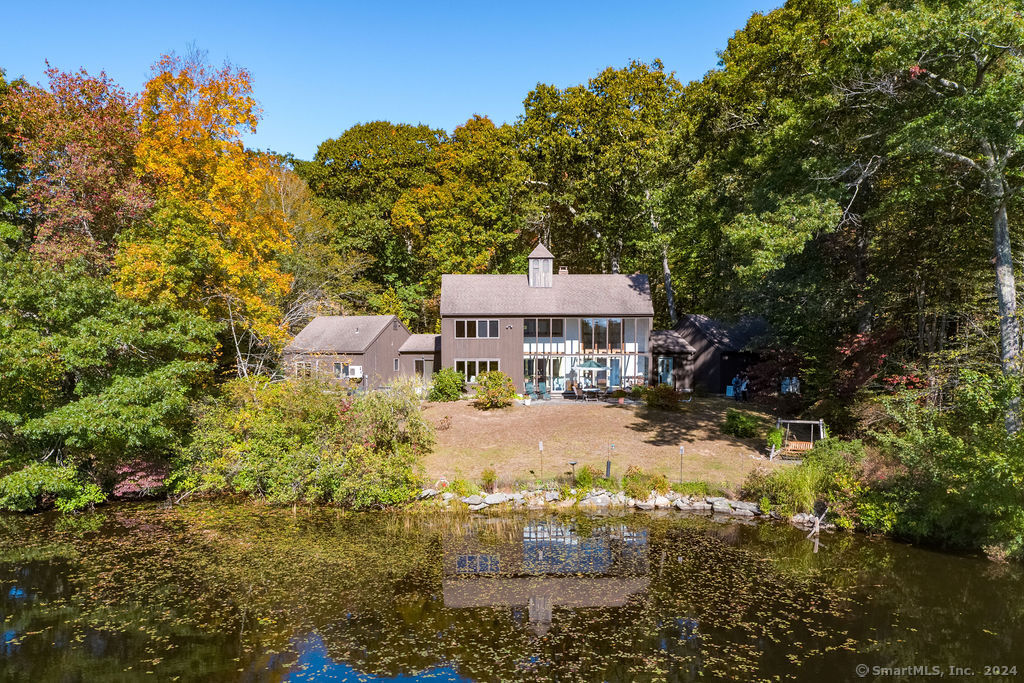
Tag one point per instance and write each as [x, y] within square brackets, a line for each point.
[507, 440]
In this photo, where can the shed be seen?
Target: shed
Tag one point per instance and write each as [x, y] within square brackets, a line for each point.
[721, 350]
[672, 360]
[359, 349]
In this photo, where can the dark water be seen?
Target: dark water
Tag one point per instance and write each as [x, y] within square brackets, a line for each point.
[236, 592]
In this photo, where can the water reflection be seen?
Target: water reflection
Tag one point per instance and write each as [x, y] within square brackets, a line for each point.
[542, 565]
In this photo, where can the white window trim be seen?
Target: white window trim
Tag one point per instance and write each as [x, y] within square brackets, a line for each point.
[396, 365]
[477, 361]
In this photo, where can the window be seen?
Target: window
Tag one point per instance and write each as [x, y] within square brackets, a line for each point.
[600, 334]
[615, 334]
[588, 334]
[417, 367]
[340, 370]
[543, 328]
[471, 368]
[476, 329]
[303, 369]
[396, 365]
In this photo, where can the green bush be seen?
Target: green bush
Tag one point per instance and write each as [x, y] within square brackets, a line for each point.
[691, 488]
[298, 441]
[446, 385]
[38, 485]
[775, 438]
[662, 397]
[587, 477]
[638, 484]
[740, 424]
[462, 487]
[494, 390]
[827, 475]
[489, 479]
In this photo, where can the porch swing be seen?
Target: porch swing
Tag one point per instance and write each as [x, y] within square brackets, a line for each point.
[793, 446]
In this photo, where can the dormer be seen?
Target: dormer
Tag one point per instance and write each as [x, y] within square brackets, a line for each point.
[541, 265]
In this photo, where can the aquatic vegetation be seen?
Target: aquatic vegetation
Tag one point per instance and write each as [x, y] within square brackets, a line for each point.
[225, 591]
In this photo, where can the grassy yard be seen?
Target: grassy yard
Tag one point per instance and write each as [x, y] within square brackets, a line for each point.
[507, 441]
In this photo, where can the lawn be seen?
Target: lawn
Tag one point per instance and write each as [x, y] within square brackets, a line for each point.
[470, 440]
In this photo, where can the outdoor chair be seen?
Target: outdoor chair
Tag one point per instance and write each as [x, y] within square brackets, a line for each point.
[529, 390]
[544, 390]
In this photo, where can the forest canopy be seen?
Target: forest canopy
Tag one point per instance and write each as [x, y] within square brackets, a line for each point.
[850, 172]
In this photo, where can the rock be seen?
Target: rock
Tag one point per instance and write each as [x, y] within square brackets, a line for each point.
[715, 499]
[774, 514]
[743, 505]
[472, 500]
[551, 496]
[567, 503]
[643, 505]
[742, 512]
[572, 492]
[721, 507]
[518, 497]
[662, 502]
[478, 506]
[600, 501]
[700, 506]
[679, 504]
[496, 499]
[447, 495]
[620, 498]
[427, 493]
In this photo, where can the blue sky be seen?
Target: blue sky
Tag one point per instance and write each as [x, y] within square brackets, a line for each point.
[319, 67]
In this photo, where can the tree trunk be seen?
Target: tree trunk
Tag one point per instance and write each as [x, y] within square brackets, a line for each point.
[1006, 294]
[666, 272]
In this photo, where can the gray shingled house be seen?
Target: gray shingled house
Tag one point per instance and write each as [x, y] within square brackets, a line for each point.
[420, 355]
[721, 350]
[542, 326]
[361, 349]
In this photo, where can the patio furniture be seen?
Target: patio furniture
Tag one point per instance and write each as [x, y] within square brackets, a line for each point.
[529, 390]
[543, 390]
[580, 394]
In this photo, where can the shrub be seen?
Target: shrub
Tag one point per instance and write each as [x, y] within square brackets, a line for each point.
[587, 476]
[662, 397]
[489, 478]
[298, 441]
[638, 484]
[740, 424]
[446, 385]
[691, 488]
[775, 438]
[37, 486]
[619, 393]
[463, 487]
[494, 390]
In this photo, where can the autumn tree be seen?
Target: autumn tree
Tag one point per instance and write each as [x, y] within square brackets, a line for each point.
[213, 243]
[77, 138]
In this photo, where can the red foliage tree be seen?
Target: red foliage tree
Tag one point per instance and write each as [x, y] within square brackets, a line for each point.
[78, 138]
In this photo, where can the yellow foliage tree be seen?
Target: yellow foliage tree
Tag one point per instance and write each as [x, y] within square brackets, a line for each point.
[213, 243]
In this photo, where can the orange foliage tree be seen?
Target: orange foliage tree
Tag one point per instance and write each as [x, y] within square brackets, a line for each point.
[214, 241]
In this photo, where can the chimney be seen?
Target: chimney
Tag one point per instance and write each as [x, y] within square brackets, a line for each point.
[563, 270]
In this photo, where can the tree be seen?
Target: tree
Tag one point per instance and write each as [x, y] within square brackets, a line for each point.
[359, 176]
[77, 139]
[213, 243]
[947, 78]
[90, 380]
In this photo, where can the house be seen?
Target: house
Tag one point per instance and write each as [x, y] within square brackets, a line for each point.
[672, 360]
[363, 349]
[721, 351]
[542, 327]
[420, 355]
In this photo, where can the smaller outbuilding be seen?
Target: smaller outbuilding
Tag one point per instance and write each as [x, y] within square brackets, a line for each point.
[721, 350]
[673, 360]
[362, 350]
[420, 355]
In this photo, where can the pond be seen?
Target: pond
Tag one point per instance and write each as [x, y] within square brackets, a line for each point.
[226, 592]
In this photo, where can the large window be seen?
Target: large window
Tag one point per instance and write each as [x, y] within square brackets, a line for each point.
[615, 334]
[543, 328]
[609, 334]
[340, 370]
[476, 329]
[303, 369]
[588, 333]
[471, 368]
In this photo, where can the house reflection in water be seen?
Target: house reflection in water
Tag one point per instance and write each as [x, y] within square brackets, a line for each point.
[541, 565]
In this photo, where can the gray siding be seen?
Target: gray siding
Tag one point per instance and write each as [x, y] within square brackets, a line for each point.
[507, 348]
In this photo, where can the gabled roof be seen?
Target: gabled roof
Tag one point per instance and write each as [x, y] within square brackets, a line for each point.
[540, 251]
[422, 343]
[671, 342]
[568, 295]
[340, 333]
[734, 337]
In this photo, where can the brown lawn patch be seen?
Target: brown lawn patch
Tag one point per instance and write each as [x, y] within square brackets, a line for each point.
[507, 440]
